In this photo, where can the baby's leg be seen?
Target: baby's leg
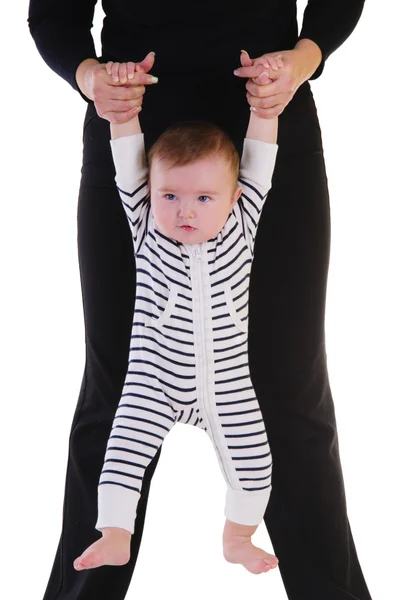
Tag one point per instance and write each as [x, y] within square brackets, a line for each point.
[142, 420]
[238, 548]
[245, 459]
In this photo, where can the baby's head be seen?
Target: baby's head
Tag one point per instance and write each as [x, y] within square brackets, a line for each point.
[193, 180]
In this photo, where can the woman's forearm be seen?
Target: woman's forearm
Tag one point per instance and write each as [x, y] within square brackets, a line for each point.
[311, 57]
[83, 76]
[328, 23]
[61, 31]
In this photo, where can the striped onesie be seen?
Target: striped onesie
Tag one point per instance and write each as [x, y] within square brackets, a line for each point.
[188, 358]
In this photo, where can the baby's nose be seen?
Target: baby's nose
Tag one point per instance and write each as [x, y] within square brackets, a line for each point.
[187, 210]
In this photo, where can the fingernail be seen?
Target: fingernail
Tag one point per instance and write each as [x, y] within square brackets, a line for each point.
[130, 75]
[152, 52]
[154, 79]
[245, 52]
[236, 72]
[252, 108]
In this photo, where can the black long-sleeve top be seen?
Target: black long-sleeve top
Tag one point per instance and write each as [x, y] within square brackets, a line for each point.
[194, 34]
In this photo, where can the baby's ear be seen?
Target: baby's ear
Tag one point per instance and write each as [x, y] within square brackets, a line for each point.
[237, 195]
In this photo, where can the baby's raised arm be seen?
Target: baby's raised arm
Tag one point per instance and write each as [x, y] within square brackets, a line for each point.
[261, 129]
[125, 73]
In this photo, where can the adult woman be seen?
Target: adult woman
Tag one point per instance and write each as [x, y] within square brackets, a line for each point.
[306, 517]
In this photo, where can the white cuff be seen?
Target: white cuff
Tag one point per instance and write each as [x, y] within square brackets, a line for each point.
[258, 162]
[128, 153]
[117, 507]
[246, 508]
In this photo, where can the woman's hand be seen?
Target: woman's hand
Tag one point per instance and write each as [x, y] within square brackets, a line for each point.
[116, 93]
[269, 90]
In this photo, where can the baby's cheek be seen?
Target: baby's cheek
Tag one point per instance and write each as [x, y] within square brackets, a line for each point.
[219, 219]
[164, 218]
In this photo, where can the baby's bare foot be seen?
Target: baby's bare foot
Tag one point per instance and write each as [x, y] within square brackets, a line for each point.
[112, 549]
[254, 559]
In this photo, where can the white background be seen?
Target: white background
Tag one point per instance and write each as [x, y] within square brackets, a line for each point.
[42, 330]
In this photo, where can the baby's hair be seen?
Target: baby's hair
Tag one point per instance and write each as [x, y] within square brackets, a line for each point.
[186, 142]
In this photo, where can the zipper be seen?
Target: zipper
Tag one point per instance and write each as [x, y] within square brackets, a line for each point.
[198, 256]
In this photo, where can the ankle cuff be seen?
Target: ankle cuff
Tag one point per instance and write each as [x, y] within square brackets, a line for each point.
[246, 508]
[117, 507]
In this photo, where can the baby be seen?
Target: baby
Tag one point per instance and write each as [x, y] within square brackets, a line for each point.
[193, 215]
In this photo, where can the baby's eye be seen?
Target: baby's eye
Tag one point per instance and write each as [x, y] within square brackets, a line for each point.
[169, 195]
[204, 197]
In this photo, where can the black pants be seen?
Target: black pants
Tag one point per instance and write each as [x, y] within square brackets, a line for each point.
[306, 517]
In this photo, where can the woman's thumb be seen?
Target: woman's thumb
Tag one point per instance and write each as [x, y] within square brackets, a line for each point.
[147, 64]
[245, 59]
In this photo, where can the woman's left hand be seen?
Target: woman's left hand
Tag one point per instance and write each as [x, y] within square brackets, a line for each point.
[271, 98]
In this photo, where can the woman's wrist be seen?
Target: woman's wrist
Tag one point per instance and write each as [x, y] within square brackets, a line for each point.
[309, 57]
[83, 77]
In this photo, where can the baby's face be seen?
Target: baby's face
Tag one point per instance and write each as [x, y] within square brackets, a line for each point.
[198, 195]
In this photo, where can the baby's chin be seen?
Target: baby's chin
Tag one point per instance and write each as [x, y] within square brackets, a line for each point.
[187, 237]
[197, 236]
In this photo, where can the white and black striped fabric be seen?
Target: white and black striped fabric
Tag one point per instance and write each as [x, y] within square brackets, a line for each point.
[188, 360]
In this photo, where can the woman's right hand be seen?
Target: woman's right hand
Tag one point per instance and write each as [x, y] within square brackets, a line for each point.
[115, 100]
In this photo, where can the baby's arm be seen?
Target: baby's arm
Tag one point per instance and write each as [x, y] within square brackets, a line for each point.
[256, 170]
[264, 130]
[132, 127]
[128, 73]
[128, 152]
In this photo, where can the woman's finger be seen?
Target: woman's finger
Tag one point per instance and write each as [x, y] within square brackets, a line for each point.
[121, 117]
[263, 79]
[262, 91]
[252, 71]
[256, 102]
[269, 113]
[147, 64]
[268, 102]
[117, 105]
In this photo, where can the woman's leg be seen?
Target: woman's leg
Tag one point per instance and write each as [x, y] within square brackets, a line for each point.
[306, 516]
[107, 269]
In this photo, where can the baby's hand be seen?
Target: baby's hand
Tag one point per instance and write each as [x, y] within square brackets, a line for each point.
[136, 77]
[268, 61]
[121, 71]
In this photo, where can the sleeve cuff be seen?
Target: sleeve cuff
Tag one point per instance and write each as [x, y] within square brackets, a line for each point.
[258, 162]
[129, 157]
[246, 508]
[117, 507]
